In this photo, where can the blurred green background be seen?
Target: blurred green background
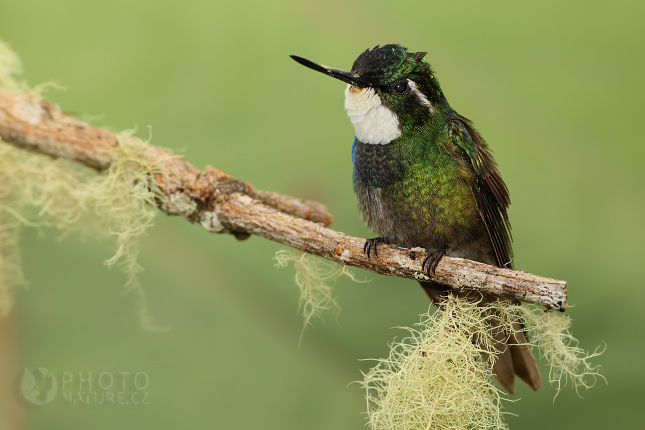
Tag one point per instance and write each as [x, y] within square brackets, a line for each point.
[555, 87]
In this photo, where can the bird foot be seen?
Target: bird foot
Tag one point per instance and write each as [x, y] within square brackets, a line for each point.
[432, 260]
[372, 244]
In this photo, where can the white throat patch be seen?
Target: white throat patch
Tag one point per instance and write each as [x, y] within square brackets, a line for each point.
[373, 123]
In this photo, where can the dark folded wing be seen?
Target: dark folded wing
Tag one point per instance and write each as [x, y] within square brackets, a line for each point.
[491, 192]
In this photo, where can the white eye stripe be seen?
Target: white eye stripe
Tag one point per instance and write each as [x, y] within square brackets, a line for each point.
[373, 123]
[422, 98]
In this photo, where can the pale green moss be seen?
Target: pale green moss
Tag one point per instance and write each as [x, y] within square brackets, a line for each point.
[11, 276]
[116, 205]
[313, 275]
[38, 191]
[436, 378]
[568, 363]
[10, 69]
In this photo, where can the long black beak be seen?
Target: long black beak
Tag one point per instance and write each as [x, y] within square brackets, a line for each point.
[349, 77]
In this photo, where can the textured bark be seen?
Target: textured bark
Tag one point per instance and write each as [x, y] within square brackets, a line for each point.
[223, 204]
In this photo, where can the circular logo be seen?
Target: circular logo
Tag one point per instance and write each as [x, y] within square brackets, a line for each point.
[38, 386]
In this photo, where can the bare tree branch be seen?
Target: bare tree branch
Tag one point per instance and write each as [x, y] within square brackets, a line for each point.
[223, 204]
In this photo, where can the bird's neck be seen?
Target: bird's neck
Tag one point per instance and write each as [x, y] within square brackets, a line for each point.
[383, 165]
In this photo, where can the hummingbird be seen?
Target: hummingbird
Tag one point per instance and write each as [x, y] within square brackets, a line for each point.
[424, 177]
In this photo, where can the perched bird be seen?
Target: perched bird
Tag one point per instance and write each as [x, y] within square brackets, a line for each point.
[424, 177]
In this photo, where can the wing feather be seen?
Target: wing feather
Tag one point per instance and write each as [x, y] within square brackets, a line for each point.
[490, 190]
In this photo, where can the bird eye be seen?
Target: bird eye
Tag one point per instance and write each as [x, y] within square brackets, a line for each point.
[401, 87]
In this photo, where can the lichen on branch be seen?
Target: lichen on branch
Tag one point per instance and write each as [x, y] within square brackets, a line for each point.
[568, 363]
[436, 378]
[117, 204]
[313, 276]
[40, 191]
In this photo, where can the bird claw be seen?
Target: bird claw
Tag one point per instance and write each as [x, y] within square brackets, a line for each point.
[372, 244]
[432, 260]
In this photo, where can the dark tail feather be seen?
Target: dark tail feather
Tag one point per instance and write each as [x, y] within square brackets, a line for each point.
[513, 355]
[523, 361]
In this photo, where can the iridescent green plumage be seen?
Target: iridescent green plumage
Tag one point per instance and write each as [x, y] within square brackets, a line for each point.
[448, 192]
[424, 177]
